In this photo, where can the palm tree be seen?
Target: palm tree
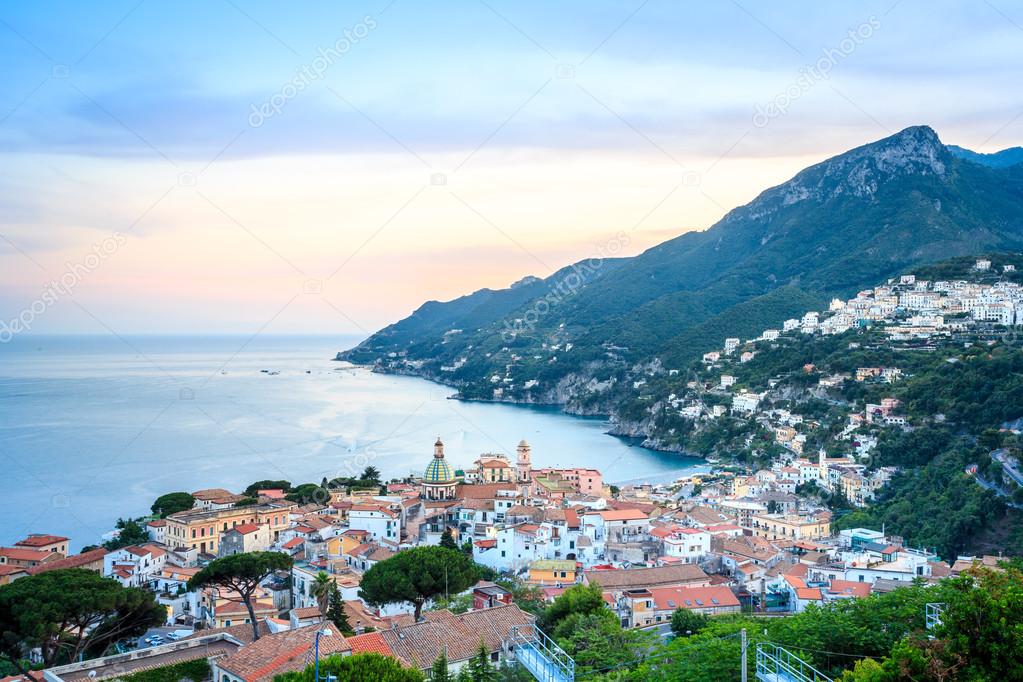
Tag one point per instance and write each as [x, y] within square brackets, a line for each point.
[320, 589]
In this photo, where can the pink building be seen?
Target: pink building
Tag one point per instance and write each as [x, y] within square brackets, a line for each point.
[585, 481]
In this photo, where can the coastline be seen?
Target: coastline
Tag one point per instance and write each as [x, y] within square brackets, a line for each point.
[624, 431]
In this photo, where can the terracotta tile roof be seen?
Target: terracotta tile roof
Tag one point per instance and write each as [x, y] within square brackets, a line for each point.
[8, 569]
[360, 617]
[282, 652]
[418, 645]
[623, 515]
[478, 505]
[714, 597]
[664, 531]
[850, 588]
[73, 561]
[40, 540]
[809, 593]
[646, 507]
[307, 612]
[23, 554]
[572, 518]
[245, 528]
[646, 577]
[157, 523]
[480, 492]
[211, 493]
[795, 581]
[379, 554]
[241, 632]
[293, 543]
[360, 549]
[370, 643]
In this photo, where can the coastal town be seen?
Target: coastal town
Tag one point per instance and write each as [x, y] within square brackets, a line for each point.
[715, 544]
[762, 535]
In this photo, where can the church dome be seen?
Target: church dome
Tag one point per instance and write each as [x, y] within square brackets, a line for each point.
[438, 471]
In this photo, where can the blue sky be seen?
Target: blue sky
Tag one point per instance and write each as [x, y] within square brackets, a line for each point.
[553, 126]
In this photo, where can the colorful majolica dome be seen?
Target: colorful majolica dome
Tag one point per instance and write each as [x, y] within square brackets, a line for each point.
[438, 470]
[439, 482]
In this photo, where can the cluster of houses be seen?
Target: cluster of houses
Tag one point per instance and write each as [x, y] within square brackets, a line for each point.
[905, 309]
[714, 546]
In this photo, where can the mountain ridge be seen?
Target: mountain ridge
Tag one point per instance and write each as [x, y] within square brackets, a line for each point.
[834, 227]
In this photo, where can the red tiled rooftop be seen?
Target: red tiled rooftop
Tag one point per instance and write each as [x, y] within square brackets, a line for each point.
[370, 643]
[40, 540]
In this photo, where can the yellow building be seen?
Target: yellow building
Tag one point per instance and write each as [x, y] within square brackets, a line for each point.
[224, 609]
[494, 469]
[341, 545]
[638, 606]
[790, 527]
[201, 528]
[552, 572]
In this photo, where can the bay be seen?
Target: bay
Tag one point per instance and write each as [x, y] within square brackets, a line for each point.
[93, 428]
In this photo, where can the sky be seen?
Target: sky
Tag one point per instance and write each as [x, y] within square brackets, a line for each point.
[226, 166]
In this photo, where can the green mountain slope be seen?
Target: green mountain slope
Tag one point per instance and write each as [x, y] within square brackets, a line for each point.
[1002, 159]
[838, 226]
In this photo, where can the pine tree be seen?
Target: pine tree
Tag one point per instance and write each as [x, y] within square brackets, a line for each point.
[479, 666]
[439, 669]
[336, 612]
[447, 539]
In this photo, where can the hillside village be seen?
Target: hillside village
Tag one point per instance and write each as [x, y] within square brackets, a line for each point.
[771, 530]
[720, 544]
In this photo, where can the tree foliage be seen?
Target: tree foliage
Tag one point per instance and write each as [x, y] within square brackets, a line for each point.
[447, 539]
[267, 484]
[68, 613]
[439, 669]
[129, 532]
[243, 574]
[417, 575]
[356, 668]
[171, 503]
[336, 611]
[686, 622]
[479, 668]
[575, 603]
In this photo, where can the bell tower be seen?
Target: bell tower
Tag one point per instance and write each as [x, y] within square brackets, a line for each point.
[523, 464]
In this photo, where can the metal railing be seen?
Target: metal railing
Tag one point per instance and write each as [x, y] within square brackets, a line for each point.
[778, 664]
[933, 614]
[554, 664]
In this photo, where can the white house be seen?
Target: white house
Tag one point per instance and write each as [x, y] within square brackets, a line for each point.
[687, 544]
[134, 565]
[382, 523]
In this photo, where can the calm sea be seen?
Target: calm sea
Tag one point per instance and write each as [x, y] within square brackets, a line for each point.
[93, 428]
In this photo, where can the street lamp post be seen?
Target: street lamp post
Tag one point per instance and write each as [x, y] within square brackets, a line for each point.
[326, 633]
